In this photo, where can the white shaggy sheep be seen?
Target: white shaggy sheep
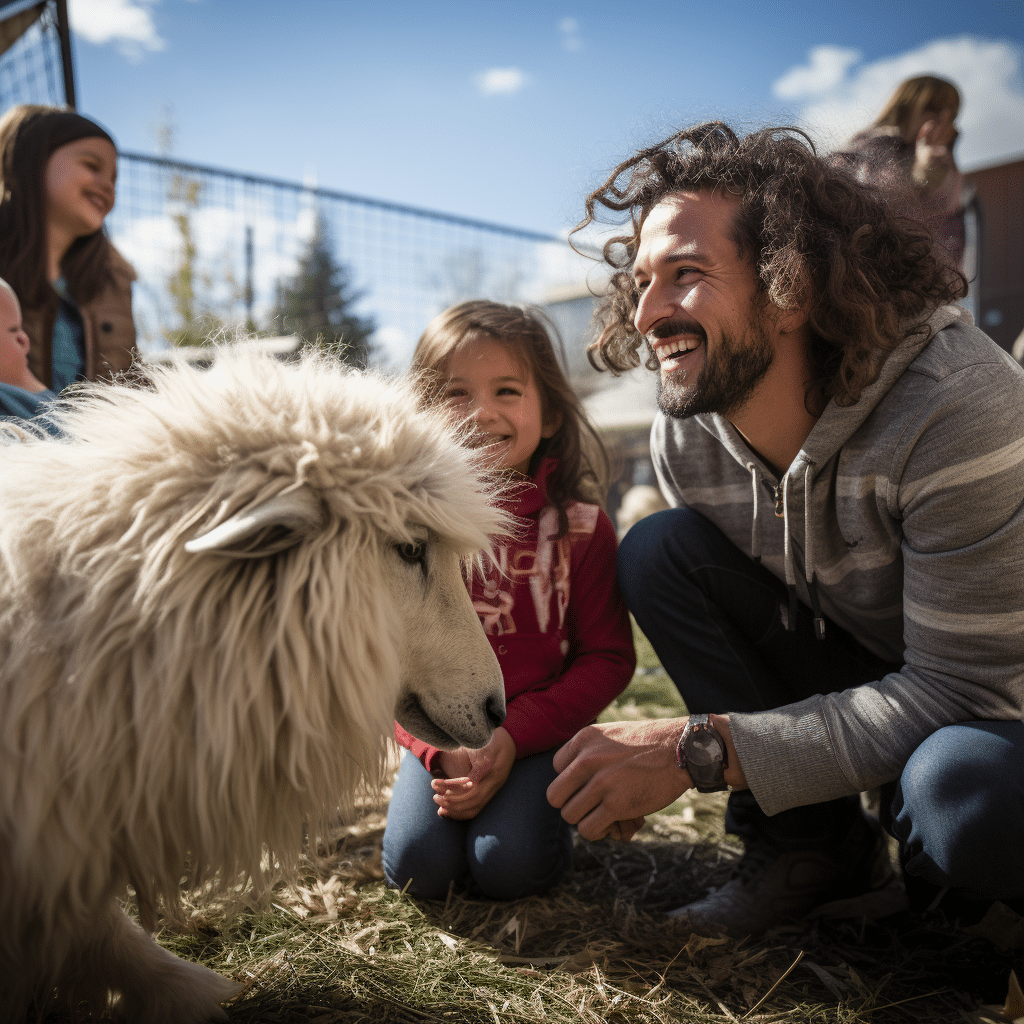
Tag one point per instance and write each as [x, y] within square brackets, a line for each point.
[214, 595]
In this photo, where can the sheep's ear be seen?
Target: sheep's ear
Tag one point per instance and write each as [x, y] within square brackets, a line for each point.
[274, 525]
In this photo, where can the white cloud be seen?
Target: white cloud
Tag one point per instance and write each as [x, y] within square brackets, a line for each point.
[988, 73]
[570, 29]
[828, 65]
[395, 342]
[500, 81]
[126, 23]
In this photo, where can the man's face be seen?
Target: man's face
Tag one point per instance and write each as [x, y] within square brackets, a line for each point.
[698, 308]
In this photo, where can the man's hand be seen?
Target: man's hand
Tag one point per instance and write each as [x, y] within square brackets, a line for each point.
[480, 774]
[611, 775]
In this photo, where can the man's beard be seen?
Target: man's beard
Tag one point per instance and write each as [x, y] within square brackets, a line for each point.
[729, 376]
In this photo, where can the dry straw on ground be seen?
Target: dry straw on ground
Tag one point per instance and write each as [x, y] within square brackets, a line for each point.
[341, 947]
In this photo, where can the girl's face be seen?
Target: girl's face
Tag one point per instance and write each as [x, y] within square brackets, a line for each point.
[487, 385]
[80, 186]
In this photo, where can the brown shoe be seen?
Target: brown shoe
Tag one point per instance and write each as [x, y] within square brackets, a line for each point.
[770, 888]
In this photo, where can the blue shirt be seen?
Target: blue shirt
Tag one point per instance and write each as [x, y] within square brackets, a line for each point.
[18, 404]
[68, 342]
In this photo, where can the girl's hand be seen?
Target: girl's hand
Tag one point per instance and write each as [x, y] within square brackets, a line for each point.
[461, 798]
[455, 763]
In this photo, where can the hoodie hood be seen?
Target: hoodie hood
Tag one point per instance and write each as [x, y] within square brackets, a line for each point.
[838, 423]
[795, 497]
[835, 427]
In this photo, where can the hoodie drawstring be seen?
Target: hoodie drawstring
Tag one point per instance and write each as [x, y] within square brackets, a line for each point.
[755, 526]
[809, 573]
[781, 492]
[787, 553]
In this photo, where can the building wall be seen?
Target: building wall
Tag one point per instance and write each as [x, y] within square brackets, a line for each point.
[999, 287]
[572, 311]
[620, 408]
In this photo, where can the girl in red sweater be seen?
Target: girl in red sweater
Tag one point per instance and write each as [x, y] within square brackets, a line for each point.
[547, 601]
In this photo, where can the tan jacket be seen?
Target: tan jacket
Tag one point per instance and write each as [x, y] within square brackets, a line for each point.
[109, 328]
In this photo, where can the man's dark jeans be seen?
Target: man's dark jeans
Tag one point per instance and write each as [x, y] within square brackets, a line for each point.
[716, 621]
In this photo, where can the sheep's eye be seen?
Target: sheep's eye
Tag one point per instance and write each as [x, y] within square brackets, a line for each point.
[414, 554]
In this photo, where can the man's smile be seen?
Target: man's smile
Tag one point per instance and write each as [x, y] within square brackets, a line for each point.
[671, 342]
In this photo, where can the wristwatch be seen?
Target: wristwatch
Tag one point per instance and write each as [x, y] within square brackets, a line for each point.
[701, 751]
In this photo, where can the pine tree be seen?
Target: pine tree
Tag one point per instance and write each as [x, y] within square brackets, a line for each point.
[317, 304]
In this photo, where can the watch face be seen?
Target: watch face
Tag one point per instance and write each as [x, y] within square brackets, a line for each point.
[704, 752]
[703, 748]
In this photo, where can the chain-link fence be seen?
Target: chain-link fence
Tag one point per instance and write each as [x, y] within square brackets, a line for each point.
[231, 240]
[32, 64]
[213, 248]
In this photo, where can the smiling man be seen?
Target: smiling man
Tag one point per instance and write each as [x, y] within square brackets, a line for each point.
[838, 593]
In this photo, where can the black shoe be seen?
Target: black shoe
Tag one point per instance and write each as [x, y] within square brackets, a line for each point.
[1001, 923]
[770, 888]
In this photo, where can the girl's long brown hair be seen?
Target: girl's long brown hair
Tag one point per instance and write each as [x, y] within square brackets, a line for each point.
[916, 97]
[23, 253]
[582, 470]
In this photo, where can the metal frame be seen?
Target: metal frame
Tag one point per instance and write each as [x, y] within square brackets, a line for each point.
[66, 59]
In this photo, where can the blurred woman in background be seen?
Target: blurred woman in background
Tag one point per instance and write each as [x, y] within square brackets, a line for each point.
[908, 152]
[58, 172]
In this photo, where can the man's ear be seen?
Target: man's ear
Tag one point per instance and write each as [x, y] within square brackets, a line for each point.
[794, 321]
[795, 317]
[790, 321]
[551, 424]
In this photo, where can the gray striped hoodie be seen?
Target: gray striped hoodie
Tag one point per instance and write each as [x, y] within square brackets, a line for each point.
[903, 522]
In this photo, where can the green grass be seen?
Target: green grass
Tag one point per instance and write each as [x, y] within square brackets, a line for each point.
[650, 694]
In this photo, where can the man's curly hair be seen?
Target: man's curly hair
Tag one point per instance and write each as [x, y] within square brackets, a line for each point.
[816, 237]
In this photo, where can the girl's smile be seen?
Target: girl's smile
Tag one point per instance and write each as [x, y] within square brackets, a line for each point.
[496, 392]
[80, 179]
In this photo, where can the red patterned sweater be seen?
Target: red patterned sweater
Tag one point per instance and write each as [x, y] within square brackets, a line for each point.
[556, 621]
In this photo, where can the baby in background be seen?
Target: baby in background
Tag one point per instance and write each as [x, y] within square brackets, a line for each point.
[22, 394]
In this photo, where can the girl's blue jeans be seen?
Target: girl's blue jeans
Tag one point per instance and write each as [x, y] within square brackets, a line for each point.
[516, 846]
[714, 617]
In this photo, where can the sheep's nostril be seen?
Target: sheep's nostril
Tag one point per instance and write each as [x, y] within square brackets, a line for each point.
[495, 711]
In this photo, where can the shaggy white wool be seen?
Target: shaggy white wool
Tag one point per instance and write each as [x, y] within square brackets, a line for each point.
[163, 711]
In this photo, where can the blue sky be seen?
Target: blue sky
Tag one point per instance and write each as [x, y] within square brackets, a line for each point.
[510, 112]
